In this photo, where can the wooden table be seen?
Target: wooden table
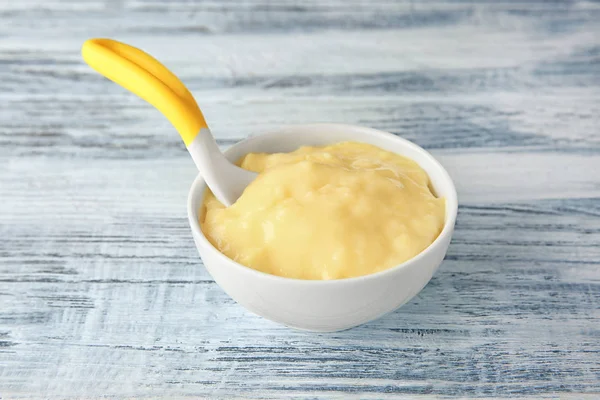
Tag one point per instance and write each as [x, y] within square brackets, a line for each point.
[102, 292]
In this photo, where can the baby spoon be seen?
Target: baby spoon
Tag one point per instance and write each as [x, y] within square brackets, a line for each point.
[143, 75]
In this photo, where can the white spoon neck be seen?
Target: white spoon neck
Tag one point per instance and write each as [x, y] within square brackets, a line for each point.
[226, 180]
[205, 150]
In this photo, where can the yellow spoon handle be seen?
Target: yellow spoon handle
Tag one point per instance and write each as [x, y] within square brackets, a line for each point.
[143, 75]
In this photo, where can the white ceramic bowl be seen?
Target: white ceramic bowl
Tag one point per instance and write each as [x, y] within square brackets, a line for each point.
[326, 306]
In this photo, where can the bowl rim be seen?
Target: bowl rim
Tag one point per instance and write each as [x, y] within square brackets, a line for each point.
[447, 230]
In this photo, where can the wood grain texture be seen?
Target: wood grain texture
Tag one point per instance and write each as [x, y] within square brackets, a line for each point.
[102, 293]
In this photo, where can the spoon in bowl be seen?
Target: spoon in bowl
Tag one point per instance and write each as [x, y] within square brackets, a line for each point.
[143, 75]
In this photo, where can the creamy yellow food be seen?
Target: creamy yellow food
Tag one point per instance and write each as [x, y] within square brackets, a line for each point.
[339, 211]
